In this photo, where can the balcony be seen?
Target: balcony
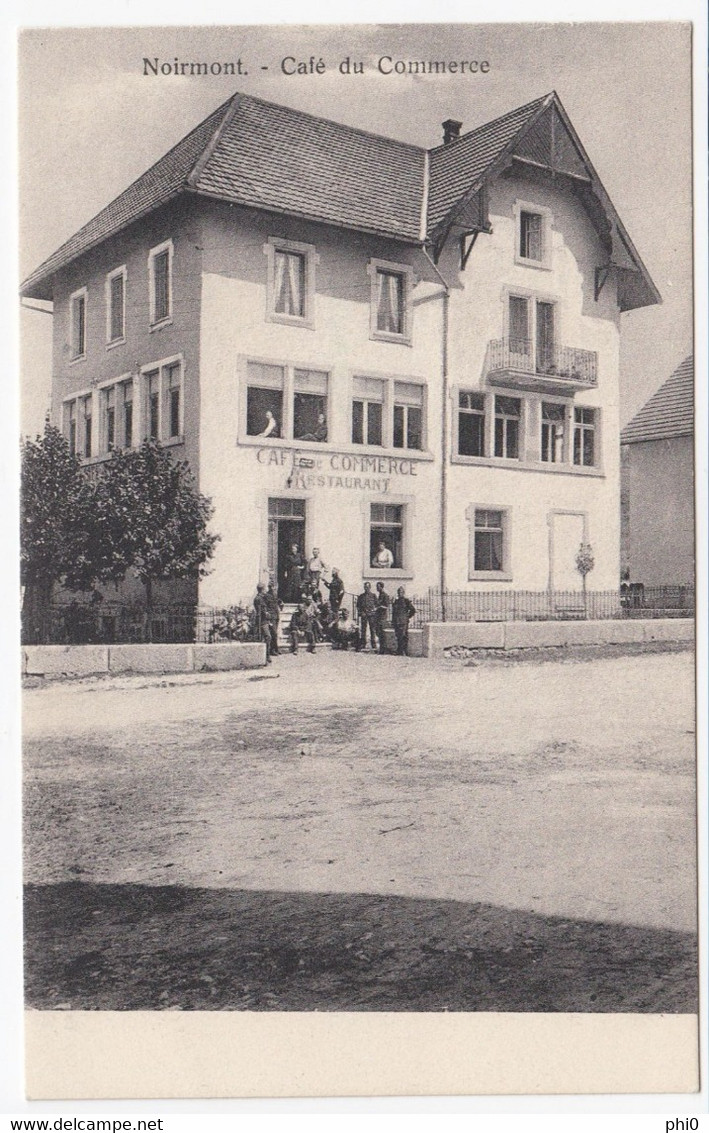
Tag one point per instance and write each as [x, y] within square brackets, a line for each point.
[555, 369]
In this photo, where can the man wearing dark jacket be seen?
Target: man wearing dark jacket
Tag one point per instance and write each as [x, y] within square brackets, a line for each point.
[366, 611]
[336, 587]
[383, 613]
[402, 611]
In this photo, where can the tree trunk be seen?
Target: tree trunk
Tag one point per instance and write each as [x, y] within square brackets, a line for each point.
[585, 597]
[36, 613]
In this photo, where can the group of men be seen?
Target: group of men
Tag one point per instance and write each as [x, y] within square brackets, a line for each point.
[316, 618]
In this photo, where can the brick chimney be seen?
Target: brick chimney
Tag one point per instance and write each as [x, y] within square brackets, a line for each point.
[451, 131]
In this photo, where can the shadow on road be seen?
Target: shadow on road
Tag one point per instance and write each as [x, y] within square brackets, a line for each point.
[138, 947]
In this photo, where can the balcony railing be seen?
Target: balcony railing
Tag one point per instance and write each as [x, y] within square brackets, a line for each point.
[553, 365]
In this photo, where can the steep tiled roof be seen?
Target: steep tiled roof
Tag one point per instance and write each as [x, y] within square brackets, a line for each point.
[668, 413]
[283, 160]
[455, 168]
[271, 157]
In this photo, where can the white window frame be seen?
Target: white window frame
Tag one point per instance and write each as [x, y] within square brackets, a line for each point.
[288, 390]
[166, 246]
[520, 207]
[532, 298]
[568, 406]
[76, 354]
[115, 274]
[406, 272]
[505, 574]
[457, 410]
[521, 427]
[83, 395]
[389, 382]
[161, 367]
[102, 391]
[406, 571]
[310, 257]
[597, 435]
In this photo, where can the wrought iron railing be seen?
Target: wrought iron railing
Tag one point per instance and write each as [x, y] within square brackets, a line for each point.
[82, 623]
[564, 362]
[553, 605]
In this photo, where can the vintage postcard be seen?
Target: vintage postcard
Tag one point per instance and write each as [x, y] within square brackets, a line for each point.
[358, 587]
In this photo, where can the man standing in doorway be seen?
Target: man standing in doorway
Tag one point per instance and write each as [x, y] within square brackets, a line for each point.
[316, 567]
[367, 610]
[402, 611]
[295, 568]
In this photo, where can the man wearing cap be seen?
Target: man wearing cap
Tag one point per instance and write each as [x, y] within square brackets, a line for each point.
[402, 611]
[264, 629]
[366, 610]
[336, 587]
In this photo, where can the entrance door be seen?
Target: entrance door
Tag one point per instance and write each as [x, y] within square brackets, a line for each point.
[286, 528]
[566, 533]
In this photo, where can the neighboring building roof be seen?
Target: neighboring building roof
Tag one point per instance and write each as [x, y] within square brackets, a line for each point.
[261, 155]
[668, 413]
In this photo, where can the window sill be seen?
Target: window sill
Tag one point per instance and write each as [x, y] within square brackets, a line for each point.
[540, 265]
[334, 447]
[161, 324]
[380, 573]
[77, 358]
[528, 465]
[291, 320]
[489, 576]
[116, 342]
[385, 336]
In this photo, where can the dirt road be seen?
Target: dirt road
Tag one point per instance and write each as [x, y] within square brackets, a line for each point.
[361, 832]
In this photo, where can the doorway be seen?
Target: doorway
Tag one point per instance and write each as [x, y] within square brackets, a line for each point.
[286, 529]
[567, 531]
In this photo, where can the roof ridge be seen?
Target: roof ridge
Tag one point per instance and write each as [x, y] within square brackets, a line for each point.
[199, 164]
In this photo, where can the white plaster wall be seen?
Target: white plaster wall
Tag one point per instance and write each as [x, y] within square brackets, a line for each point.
[478, 316]
[234, 327]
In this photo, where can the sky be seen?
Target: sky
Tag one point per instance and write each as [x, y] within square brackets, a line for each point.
[91, 121]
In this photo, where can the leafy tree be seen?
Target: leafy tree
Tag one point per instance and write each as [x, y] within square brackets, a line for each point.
[55, 511]
[150, 518]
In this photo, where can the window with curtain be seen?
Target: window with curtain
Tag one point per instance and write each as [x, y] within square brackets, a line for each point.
[289, 283]
[390, 302]
[553, 430]
[488, 540]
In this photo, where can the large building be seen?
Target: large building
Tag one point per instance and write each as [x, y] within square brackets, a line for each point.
[363, 345]
[659, 469]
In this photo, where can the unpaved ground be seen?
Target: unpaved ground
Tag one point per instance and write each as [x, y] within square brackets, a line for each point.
[357, 832]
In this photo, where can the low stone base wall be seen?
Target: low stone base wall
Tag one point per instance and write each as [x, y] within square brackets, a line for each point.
[90, 660]
[439, 636]
[416, 641]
